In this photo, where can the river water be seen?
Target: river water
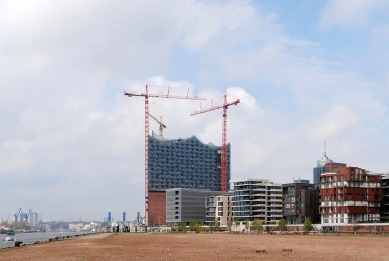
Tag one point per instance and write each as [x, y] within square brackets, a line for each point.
[29, 238]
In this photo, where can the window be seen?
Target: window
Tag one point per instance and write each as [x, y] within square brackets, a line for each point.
[289, 191]
[177, 192]
[220, 203]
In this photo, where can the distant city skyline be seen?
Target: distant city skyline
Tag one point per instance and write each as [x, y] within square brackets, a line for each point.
[72, 145]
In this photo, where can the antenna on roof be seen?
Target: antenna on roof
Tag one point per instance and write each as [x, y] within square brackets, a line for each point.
[325, 148]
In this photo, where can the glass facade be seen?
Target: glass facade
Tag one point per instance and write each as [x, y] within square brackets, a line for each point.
[256, 198]
[316, 173]
[185, 163]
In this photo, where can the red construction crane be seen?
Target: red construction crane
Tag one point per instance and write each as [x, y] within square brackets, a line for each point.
[224, 136]
[146, 95]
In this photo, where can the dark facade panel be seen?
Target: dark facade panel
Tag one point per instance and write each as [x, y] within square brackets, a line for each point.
[184, 204]
[185, 163]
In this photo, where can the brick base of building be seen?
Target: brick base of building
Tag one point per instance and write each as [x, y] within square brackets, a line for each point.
[157, 208]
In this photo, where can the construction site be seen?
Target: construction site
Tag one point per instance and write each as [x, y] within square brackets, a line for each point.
[181, 163]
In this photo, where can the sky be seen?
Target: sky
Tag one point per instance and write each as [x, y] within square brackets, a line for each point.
[72, 145]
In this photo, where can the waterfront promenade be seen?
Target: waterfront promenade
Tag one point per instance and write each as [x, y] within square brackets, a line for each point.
[211, 246]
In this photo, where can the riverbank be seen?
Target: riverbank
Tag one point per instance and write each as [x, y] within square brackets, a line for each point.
[211, 246]
[29, 238]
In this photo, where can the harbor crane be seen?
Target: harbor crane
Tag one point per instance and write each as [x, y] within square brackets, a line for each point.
[224, 106]
[148, 95]
[17, 214]
[161, 125]
[27, 214]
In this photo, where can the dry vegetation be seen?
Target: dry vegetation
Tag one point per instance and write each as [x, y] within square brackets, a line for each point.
[211, 246]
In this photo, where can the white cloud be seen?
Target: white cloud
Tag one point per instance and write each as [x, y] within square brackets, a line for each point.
[250, 155]
[69, 132]
[208, 21]
[338, 120]
[347, 12]
[380, 34]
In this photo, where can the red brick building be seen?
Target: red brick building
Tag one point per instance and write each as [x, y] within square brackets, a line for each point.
[157, 207]
[349, 195]
[333, 166]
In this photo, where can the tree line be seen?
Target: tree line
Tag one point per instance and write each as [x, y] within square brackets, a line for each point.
[256, 225]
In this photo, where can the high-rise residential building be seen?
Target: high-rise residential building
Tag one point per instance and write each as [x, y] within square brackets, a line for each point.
[181, 163]
[183, 204]
[256, 198]
[300, 201]
[349, 195]
[218, 209]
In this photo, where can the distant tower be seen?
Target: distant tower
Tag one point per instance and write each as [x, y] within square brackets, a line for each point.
[34, 219]
[319, 169]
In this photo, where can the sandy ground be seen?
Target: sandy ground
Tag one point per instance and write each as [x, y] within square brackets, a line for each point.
[211, 246]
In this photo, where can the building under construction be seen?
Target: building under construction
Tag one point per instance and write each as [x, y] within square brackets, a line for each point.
[181, 163]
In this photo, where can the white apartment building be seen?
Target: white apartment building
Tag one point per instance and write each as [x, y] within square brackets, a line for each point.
[256, 198]
[217, 208]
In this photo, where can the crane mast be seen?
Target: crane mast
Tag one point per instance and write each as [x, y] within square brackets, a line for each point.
[146, 95]
[224, 137]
